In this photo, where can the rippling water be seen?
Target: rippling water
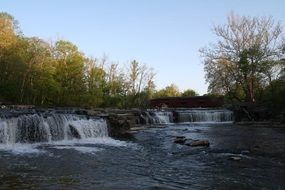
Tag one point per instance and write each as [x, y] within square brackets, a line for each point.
[151, 160]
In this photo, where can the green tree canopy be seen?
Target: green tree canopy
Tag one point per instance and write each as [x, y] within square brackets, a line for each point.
[8, 30]
[189, 93]
[169, 91]
[69, 72]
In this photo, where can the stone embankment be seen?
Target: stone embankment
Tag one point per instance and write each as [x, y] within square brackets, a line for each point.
[123, 122]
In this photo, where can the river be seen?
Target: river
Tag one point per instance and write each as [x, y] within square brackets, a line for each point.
[148, 159]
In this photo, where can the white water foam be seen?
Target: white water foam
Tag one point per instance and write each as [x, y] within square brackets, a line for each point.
[82, 149]
[80, 145]
[91, 141]
[164, 117]
[55, 127]
[87, 145]
[157, 117]
[19, 148]
[33, 133]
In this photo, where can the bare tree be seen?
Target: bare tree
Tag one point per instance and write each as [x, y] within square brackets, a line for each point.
[140, 78]
[246, 55]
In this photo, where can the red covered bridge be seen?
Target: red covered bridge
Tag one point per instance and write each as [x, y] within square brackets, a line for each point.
[187, 102]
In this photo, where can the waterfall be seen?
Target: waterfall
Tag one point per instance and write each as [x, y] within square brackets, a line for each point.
[33, 128]
[163, 117]
[50, 127]
[157, 117]
[187, 115]
[204, 115]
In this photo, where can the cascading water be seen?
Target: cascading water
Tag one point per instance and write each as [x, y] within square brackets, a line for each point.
[41, 127]
[204, 115]
[157, 117]
[54, 127]
[163, 117]
[187, 115]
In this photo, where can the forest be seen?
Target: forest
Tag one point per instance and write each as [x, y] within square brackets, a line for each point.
[37, 72]
[245, 65]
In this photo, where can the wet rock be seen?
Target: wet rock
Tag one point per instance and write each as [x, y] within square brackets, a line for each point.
[235, 158]
[74, 132]
[190, 142]
[22, 106]
[255, 148]
[245, 152]
[81, 112]
[175, 116]
[118, 125]
[180, 140]
[95, 113]
[199, 143]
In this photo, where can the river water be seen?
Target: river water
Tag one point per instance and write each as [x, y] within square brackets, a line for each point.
[148, 159]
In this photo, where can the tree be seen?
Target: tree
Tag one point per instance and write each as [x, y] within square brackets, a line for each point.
[245, 56]
[140, 84]
[38, 73]
[95, 81]
[33, 71]
[189, 93]
[12, 67]
[9, 30]
[169, 91]
[134, 74]
[69, 73]
[150, 85]
[115, 88]
[10, 63]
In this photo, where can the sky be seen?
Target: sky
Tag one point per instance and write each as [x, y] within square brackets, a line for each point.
[163, 34]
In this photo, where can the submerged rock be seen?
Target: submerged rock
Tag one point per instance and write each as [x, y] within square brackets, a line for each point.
[235, 158]
[190, 142]
[198, 143]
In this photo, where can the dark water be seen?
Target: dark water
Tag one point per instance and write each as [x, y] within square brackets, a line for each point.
[151, 160]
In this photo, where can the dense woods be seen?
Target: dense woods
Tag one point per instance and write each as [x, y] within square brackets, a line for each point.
[34, 71]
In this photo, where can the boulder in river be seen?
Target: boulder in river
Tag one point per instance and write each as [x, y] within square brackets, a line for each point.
[180, 140]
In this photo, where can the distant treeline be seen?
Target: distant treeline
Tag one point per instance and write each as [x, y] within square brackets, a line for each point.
[34, 71]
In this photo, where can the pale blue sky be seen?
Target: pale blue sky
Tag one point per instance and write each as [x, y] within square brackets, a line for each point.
[164, 34]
